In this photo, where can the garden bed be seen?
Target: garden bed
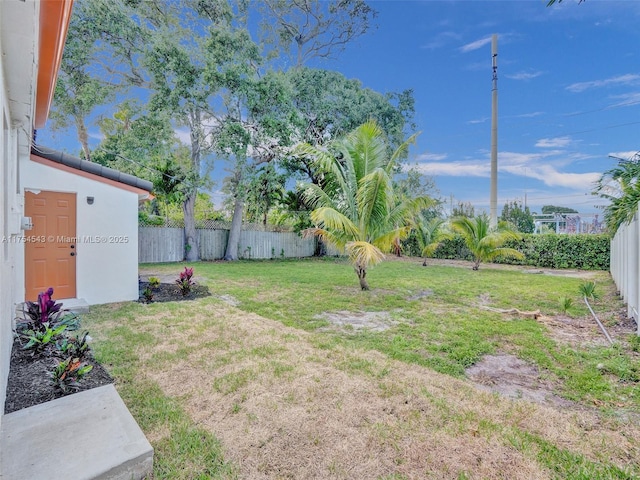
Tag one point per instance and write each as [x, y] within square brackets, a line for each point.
[29, 380]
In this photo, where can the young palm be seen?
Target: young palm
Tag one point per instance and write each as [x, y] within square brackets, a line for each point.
[484, 242]
[621, 186]
[430, 235]
[355, 208]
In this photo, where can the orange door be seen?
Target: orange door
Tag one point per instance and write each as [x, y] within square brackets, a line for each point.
[50, 246]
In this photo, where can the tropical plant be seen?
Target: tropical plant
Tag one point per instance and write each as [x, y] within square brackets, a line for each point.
[430, 236]
[184, 281]
[39, 339]
[67, 374]
[484, 242]
[37, 316]
[154, 282]
[147, 295]
[355, 207]
[566, 304]
[621, 187]
[588, 290]
[76, 347]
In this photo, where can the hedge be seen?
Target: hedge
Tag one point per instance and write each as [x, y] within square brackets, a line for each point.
[583, 251]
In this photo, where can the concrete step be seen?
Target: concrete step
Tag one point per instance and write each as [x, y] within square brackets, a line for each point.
[75, 305]
[85, 436]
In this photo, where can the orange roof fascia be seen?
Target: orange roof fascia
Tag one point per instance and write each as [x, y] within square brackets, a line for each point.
[54, 24]
[91, 176]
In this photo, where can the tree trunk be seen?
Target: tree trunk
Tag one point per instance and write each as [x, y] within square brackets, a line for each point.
[362, 273]
[191, 243]
[234, 233]
[83, 137]
[476, 265]
[424, 263]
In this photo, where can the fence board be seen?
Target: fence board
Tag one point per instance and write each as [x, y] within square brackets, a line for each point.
[164, 244]
[157, 245]
[625, 266]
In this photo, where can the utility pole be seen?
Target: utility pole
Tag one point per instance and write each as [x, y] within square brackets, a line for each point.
[493, 202]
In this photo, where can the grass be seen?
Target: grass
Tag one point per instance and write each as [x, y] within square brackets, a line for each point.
[438, 324]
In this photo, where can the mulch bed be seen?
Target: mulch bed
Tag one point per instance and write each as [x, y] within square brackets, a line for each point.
[167, 292]
[29, 382]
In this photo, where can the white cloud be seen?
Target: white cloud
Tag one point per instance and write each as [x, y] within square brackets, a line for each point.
[478, 120]
[441, 40]
[469, 47]
[431, 157]
[627, 79]
[96, 136]
[554, 178]
[624, 155]
[524, 75]
[626, 100]
[183, 136]
[528, 115]
[557, 142]
[454, 169]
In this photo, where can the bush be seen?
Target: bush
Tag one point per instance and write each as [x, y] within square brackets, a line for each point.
[586, 252]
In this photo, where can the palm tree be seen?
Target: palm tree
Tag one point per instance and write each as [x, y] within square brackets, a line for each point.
[355, 207]
[430, 235]
[484, 242]
[621, 186]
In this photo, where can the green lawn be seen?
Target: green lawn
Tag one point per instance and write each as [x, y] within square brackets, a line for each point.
[437, 321]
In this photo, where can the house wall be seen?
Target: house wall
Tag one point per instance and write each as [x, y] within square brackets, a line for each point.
[12, 141]
[107, 231]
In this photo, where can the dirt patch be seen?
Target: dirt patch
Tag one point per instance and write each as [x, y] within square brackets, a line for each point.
[373, 321]
[514, 378]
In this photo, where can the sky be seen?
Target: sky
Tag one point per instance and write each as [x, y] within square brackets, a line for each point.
[568, 93]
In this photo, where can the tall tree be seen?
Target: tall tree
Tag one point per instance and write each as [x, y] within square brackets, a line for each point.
[327, 105]
[307, 29]
[100, 53]
[183, 44]
[484, 242]
[356, 208]
[265, 190]
[518, 216]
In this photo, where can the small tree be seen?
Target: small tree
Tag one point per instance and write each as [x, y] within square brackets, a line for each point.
[485, 243]
[430, 235]
[518, 216]
[356, 208]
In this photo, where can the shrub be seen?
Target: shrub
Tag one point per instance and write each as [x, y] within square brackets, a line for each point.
[154, 282]
[587, 252]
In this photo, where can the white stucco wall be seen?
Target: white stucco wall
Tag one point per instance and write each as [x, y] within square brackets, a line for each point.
[106, 271]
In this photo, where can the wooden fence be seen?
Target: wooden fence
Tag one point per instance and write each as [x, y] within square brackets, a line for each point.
[625, 266]
[165, 244]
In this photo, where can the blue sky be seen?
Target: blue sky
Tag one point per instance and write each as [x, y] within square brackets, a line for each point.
[568, 92]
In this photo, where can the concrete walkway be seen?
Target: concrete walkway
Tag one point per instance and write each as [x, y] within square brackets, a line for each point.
[88, 435]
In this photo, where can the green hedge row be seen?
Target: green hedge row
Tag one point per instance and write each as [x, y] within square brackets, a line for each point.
[587, 252]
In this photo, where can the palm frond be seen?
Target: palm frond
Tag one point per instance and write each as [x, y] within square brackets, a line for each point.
[364, 254]
[332, 220]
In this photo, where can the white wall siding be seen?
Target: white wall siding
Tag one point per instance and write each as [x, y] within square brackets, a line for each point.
[107, 231]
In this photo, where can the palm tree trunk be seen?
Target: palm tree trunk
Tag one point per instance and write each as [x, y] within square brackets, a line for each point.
[361, 271]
